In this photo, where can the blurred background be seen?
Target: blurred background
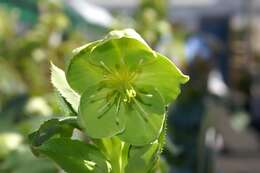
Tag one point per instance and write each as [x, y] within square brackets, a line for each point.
[213, 127]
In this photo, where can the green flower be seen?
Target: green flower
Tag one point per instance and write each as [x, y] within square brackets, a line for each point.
[124, 87]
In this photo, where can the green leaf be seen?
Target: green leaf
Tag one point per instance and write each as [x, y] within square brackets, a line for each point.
[51, 129]
[164, 76]
[59, 81]
[53, 140]
[64, 106]
[75, 156]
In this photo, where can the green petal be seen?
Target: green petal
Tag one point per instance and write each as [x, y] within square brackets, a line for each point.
[123, 47]
[144, 119]
[127, 33]
[121, 51]
[124, 52]
[98, 113]
[74, 156]
[80, 73]
[164, 76]
[144, 114]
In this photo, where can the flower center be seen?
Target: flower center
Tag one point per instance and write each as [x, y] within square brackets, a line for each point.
[121, 81]
[130, 94]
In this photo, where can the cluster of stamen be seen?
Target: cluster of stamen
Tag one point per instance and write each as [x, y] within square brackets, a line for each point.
[120, 80]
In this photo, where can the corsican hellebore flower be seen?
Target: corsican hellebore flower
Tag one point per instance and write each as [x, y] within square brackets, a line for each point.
[124, 87]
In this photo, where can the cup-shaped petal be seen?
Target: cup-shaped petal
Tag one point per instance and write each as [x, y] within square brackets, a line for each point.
[100, 112]
[124, 87]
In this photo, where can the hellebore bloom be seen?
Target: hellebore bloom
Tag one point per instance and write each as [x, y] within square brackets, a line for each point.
[124, 87]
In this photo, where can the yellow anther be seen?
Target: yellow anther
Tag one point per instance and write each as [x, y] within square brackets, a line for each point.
[131, 93]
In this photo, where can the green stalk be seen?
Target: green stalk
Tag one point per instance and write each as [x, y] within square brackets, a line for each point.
[116, 152]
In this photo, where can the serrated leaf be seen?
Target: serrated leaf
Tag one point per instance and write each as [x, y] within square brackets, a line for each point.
[59, 81]
[75, 156]
[53, 128]
[65, 106]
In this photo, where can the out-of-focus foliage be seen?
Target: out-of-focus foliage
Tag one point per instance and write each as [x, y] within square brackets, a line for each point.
[30, 50]
[23, 161]
[155, 27]
[151, 20]
[26, 96]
